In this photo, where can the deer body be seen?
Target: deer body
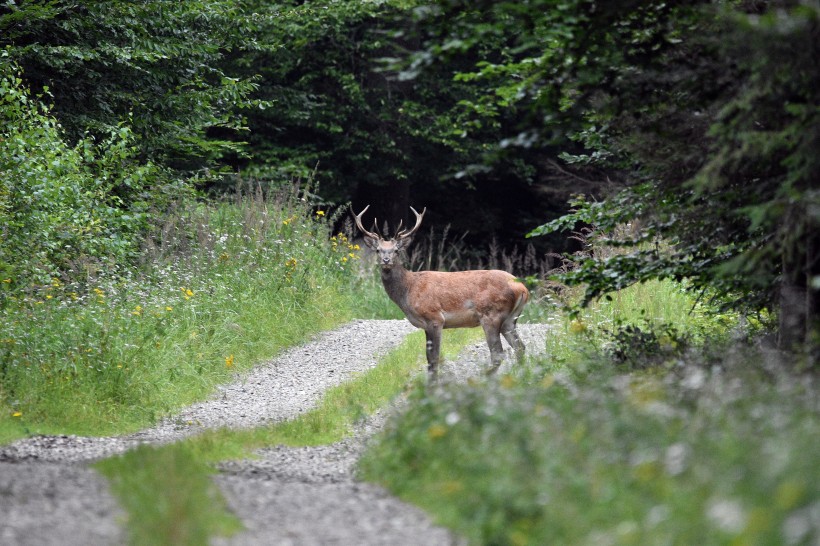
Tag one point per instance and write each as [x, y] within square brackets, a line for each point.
[434, 300]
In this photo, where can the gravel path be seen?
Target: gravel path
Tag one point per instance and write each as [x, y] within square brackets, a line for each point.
[49, 494]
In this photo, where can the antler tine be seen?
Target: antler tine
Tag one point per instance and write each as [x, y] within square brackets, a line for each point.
[359, 223]
[405, 234]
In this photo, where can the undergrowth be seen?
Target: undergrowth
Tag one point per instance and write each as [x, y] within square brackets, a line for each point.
[643, 424]
[222, 286]
[707, 454]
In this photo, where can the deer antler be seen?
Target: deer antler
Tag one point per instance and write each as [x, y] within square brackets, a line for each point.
[359, 223]
[406, 234]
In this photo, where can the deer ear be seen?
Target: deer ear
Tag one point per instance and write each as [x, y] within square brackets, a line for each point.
[402, 242]
[371, 242]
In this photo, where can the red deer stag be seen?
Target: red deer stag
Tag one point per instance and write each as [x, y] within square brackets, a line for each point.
[433, 300]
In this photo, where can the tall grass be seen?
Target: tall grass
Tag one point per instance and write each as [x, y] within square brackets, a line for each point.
[666, 313]
[727, 457]
[222, 285]
[706, 445]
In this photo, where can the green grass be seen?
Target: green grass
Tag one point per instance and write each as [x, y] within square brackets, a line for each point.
[373, 302]
[663, 308]
[224, 286]
[168, 496]
[707, 446]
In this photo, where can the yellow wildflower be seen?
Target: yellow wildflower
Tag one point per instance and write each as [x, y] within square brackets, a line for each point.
[577, 327]
[507, 381]
[137, 311]
[17, 414]
[548, 381]
[436, 431]
[229, 361]
[320, 213]
[451, 486]
[169, 308]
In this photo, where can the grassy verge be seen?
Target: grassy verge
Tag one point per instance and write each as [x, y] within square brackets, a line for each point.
[168, 496]
[167, 493]
[223, 286]
[706, 446]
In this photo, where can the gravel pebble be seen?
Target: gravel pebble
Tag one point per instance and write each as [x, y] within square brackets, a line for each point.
[54, 503]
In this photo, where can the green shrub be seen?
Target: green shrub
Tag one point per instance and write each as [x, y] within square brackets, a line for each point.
[638, 426]
[715, 451]
[65, 210]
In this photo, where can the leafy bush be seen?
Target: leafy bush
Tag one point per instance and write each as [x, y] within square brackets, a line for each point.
[159, 65]
[65, 211]
[637, 346]
[719, 450]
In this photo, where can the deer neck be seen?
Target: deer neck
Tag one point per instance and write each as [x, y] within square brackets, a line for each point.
[395, 279]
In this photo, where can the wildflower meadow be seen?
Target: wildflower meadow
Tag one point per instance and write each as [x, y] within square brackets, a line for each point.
[220, 286]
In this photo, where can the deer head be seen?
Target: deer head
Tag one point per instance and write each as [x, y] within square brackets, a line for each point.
[387, 249]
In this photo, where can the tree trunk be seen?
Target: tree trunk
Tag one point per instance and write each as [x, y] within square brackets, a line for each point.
[813, 293]
[799, 321]
[793, 316]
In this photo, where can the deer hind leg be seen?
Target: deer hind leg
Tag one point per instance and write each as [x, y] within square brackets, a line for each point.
[492, 329]
[512, 337]
[433, 335]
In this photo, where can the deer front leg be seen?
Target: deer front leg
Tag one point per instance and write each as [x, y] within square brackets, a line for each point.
[433, 335]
